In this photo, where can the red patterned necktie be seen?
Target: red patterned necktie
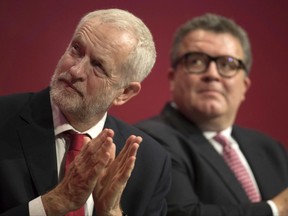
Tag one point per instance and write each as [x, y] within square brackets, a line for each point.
[235, 164]
[76, 143]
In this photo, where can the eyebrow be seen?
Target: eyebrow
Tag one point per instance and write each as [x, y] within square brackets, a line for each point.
[78, 38]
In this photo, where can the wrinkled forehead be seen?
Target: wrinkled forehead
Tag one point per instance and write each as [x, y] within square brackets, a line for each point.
[119, 23]
[105, 41]
[112, 30]
[91, 24]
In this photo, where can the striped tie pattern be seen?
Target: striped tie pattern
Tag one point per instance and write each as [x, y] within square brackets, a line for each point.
[233, 161]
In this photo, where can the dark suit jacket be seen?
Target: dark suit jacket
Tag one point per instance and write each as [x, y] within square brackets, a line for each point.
[202, 183]
[28, 158]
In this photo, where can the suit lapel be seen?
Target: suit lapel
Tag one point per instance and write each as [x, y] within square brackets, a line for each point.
[197, 141]
[38, 142]
[216, 162]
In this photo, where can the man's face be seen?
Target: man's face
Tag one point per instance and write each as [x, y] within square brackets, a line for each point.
[86, 79]
[209, 95]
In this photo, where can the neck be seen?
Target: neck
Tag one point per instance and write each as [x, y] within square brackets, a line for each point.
[83, 124]
[212, 123]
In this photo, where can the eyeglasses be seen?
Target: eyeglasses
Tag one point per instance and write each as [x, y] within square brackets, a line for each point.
[197, 63]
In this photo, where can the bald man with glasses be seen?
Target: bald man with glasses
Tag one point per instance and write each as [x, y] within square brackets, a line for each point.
[219, 168]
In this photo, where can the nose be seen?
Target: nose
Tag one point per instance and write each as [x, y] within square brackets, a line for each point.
[77, 70]
[211, 72]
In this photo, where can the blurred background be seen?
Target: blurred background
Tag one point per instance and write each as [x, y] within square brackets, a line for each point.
[34, 34]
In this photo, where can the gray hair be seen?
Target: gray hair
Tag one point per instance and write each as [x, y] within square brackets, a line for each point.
[217, 24]
[143, 56]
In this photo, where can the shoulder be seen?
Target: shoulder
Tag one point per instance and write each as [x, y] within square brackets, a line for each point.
[161, 130]
[153, 122]
[14, 100]
[154, 125]
[259, 139]
[23, 106]
[123, 130]
[252, 134]
[12, 104]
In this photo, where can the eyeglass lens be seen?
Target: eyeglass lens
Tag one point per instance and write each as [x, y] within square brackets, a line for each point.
[199, 63]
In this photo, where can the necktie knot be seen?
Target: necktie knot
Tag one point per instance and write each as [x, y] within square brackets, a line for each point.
[222, 140]
[76, 141]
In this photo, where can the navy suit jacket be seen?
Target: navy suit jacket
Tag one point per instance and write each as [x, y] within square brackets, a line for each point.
[28, 165]
[202, 183]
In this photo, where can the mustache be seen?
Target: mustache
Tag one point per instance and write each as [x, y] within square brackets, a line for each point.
[66, 76]
[74, 83]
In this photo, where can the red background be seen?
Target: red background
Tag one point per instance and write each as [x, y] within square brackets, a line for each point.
[34, 34]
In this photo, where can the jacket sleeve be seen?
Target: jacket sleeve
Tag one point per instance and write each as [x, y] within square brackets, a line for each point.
[19, 210]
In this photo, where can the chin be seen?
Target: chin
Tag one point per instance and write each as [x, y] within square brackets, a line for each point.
[65, 99]
[212, 109]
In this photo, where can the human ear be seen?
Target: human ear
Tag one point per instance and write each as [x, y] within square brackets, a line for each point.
[247, 84]
[171, 75]
[131, 90]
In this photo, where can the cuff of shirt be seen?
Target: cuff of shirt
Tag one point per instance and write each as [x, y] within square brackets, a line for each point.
[36, 207]
[273, 207]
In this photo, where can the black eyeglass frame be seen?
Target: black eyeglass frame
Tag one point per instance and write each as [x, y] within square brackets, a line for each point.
[184, 58]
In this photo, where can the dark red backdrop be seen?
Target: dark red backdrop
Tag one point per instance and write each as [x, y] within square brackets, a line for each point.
[34, 34]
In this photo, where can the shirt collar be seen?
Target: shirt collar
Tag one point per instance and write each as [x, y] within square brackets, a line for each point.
[61, 124]
[210, 134]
